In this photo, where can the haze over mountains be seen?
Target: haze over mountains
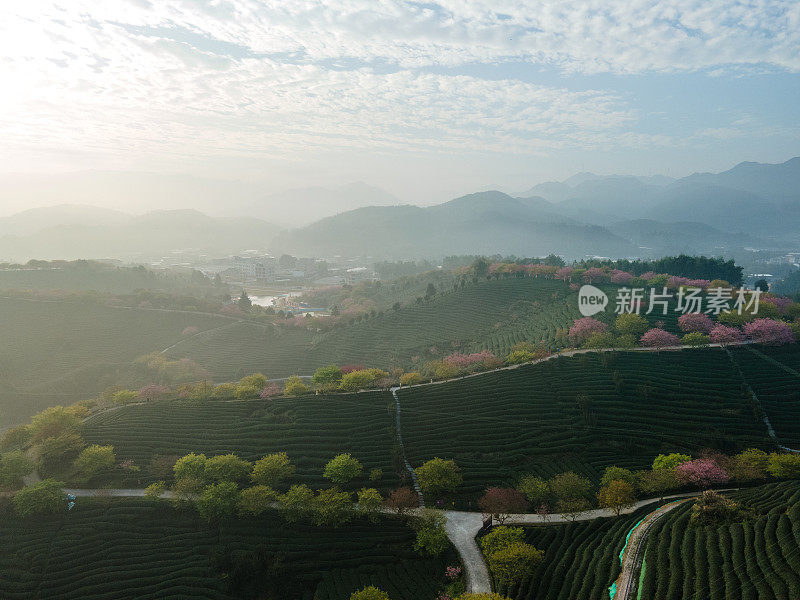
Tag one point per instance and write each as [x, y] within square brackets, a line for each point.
[750, 205]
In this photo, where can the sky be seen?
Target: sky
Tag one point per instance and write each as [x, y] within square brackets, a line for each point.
[423, 99]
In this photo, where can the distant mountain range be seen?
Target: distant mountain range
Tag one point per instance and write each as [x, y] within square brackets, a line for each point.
[73, 231]
[750, 205]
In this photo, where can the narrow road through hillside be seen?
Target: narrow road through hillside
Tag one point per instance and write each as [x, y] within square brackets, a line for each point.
[411, 471]
[625, 585]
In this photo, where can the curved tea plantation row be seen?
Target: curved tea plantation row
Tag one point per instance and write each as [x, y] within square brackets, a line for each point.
[311, 430]
[581, 413]
[491, 315]
[777, 390]
[109, 549]
[61, 352]
[581, 559]
[755, 558]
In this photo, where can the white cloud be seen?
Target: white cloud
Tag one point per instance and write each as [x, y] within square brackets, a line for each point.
[186, 79]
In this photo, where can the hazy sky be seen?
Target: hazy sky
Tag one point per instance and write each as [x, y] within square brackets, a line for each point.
[425, 99]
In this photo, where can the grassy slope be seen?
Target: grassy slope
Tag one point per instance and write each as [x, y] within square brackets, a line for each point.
[61, 352]
[777, 389]
[497, 426]
[488, 315]
[528, 420]
[581, 559]
[311, 430]
[127, 548]
[755, 559]
[682, 562]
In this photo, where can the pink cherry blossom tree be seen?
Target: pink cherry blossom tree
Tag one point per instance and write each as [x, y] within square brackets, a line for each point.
[585, 327]
[269, 391]
[722, 334]
[153, 391]
[564, 273]
[702, 472]
[769, 332]
[594, 275]
[658, 338]
[698, 322]
[620, 277]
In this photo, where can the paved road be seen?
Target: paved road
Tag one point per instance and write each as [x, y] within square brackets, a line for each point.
[631, 558]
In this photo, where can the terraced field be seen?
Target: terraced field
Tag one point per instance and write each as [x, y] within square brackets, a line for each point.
[581, 413]
[581, 559]
[777, 389]
[755, 559]
[61, 352]
[311, 430]
[128, 548]
[491, 315]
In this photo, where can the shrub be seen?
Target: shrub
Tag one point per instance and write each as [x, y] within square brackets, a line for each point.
[412, 378]
[712, 508]
[272, 469]
[722, 334]
[332, 507]
[227, 467]
[431, 535]
[124, 397]
[154, 490]
[749, 465]
[369, 503]
[501, 537]
[784, 465]
[769, 332]
[297, 504]
[327, 378]
[357, 380]
[695, 339]
[13, 467]
[294, 386]
[342, 468]
[695, 323]
[535, 489]
[670, 461]
[42, 498]
[93, 460]
[224, 391]
[438, 475]
[631, 324]
[191, 465]
[658, 338]
[502, 502]
[401, 500]
[703, 472]
[570, 486]
[616, 495]
[256, 500]
[514, 562]
[218, 501]
[583, 328]
[369, 593]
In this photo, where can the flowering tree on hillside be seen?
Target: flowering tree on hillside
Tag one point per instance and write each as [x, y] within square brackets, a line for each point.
[703, 472]
[620, 277]
[594, 275]
[722, 334]
[781, 303]
[583, 328]
[564, 273]
[698, 322]
[153, 391]
[769, 332]
[658, 338]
